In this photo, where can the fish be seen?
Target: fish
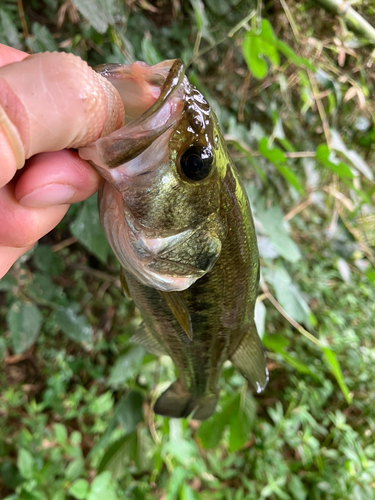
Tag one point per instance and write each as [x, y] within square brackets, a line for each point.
[175, 212]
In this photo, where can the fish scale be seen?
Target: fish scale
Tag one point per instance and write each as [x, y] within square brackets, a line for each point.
[177, 217]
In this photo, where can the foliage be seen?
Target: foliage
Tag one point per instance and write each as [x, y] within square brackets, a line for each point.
[292, 88]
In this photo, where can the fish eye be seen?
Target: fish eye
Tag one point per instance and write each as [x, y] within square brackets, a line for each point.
[196, 162]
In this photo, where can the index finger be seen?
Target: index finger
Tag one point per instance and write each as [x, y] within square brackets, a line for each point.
[9, 55]
[49, 102]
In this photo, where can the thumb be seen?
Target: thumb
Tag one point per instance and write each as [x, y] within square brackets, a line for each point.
[49, 102]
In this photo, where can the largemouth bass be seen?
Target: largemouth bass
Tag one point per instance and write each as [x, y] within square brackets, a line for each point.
[176, 216]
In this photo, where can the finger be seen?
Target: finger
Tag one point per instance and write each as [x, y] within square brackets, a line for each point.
[55, 179]
[52, 101]
[8, 257]
[9, 55]
[23, 226]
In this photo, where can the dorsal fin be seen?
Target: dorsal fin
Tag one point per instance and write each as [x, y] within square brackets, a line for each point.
[250, 361]
[179, 310]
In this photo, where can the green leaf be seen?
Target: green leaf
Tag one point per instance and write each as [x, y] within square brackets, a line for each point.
[25, 463]
[260, 317]
[241, 423]
[10, 475]
[75, 469]
[7, 282]
[329, 160]
[128, 413]
[99, 13]
[47, 261]
[176, 482]
[293, 57]
[10, 30]
[273, 225]
[297, 488]
[239, 418]
[257, 66]
[201, 19]
[79, 489]
[61, 433]
[126, 366]
[276, 156]
[74, 326]
[24, 322]
[335, 368]
[187, 493]
[357, 161]
[290, 178]
[264, 43]
[86, 228]
[273, 153]
[278, 343]
[256, 46]
[288, 294]
[42, 287]
[102, 488]
[42, 40]
[150, 54]
[275, 342]
[118, 455]
[370, 273]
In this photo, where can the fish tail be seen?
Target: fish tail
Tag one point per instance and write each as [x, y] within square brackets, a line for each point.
[176, 402]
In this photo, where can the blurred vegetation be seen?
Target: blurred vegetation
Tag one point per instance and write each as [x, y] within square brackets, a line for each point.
[293, 89]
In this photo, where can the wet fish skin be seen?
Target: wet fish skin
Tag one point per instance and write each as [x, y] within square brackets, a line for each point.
[196, 278]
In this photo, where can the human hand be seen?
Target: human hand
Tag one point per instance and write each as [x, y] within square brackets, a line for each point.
[48, 103]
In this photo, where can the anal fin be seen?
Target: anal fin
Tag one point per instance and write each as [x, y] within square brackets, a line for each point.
[144, 338]
[250, 361]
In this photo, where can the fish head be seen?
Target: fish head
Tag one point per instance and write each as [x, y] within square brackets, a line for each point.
[161, 205]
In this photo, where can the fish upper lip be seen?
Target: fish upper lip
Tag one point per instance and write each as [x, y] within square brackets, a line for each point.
[131, 140]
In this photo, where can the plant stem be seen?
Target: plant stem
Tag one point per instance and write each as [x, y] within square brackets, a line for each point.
[354, 20]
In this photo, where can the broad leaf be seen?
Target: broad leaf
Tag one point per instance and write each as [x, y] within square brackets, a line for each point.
[99, 13]
[126, 366]
[87, 229]
[102, 488]
[24, 322]
[239, 418]
[118, 455]
[47, 261]
[273, 226]
[128, 413]
[79, 489]
[75, 326]
[288, 294]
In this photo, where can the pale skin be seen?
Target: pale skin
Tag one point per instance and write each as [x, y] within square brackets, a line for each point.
[53, 102]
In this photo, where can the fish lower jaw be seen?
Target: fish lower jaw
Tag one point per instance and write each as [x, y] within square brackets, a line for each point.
[166, 283]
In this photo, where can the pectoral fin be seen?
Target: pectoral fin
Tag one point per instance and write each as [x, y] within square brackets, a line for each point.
[180, 311]
[144, 338]
[124, 284]
[250, 361]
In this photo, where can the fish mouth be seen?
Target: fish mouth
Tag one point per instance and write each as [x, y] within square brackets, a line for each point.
[128, 142]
